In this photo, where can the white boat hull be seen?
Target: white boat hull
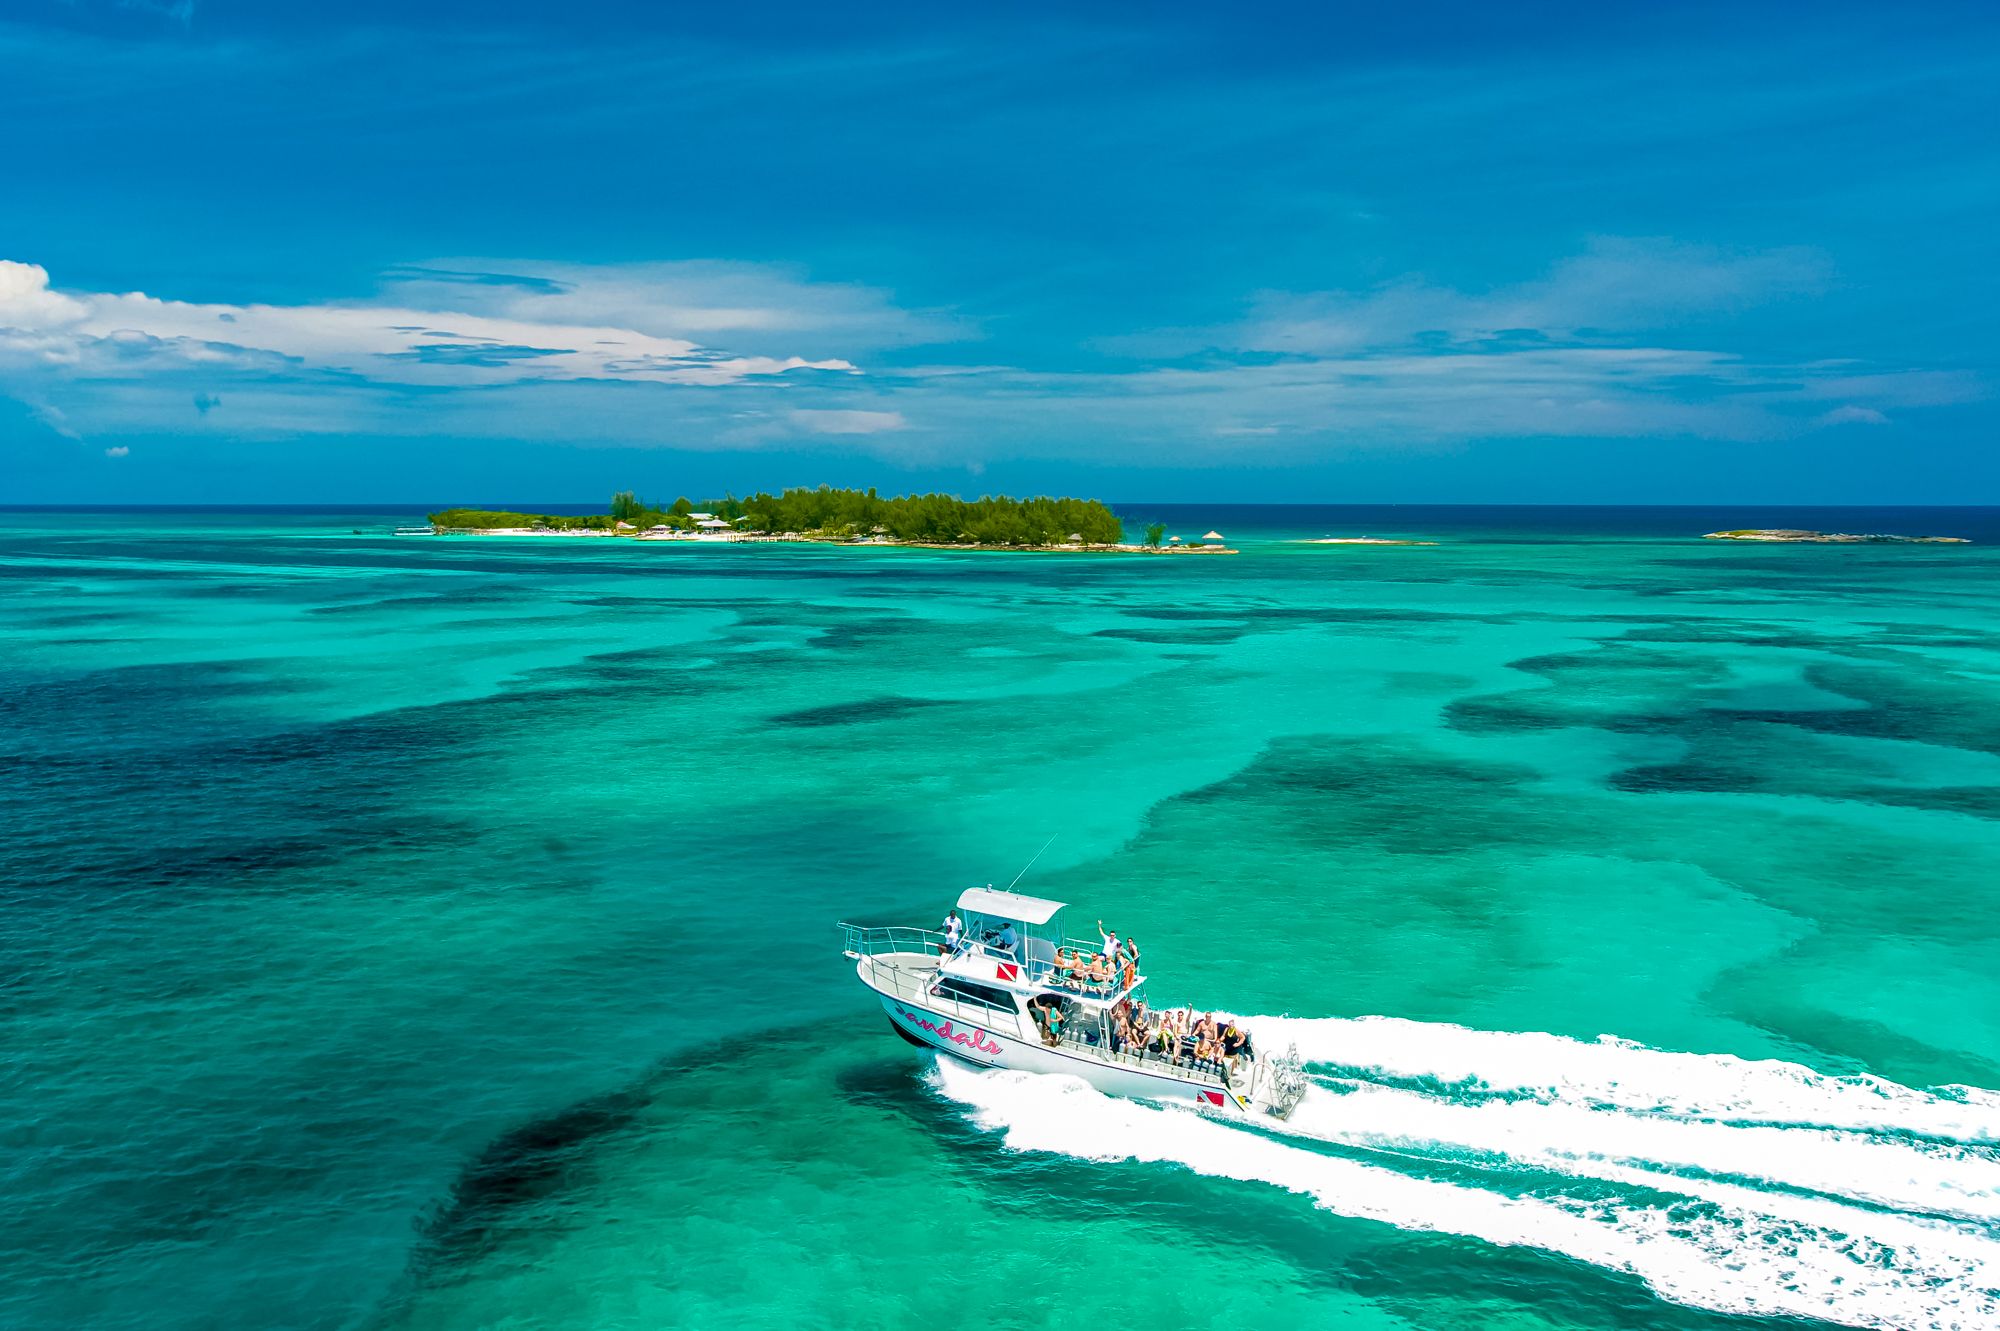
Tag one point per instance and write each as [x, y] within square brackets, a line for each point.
[985, 1047]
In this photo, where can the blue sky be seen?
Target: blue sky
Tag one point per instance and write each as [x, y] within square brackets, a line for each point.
[1483, 253]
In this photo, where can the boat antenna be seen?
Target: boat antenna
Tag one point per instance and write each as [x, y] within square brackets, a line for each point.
[1031, 863]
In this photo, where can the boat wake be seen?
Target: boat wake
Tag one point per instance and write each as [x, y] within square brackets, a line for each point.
[1722, 1183]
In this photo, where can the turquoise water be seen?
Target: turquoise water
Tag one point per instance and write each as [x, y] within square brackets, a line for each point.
[437, 933]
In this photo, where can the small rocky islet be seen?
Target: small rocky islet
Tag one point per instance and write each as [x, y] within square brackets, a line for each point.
[1798, 536]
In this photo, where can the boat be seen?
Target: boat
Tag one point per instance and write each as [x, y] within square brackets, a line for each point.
[979, 1000]
[416, 531]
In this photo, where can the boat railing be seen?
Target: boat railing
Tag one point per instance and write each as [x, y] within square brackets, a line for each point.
[1132, 1058]
[1126, 976]
[916, 986]
[858, 940]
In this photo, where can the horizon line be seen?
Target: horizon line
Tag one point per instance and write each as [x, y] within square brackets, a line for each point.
[550, 505]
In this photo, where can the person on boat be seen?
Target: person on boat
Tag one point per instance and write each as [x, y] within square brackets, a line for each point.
[1053, 1027]
[1233, 1040]
[1009, 942]
[1206, 1050]
[1121, 1026]
[1191, 1032]
[1141, 1019]
[1131, 1039]
[954, 934]
[1110, 944]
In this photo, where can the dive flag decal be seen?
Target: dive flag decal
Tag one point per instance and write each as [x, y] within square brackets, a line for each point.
[1007, 970]
[1211, 1098]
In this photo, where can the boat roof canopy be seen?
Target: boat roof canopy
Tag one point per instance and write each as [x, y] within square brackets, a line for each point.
[1008, 905]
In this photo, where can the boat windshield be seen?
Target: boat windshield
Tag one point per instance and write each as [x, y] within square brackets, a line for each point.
[1029, 942]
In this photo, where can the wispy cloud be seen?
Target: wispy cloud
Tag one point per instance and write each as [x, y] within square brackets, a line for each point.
[52, 417]
[1579, 351]
[634, 355]
[526, 335]
[753, 307]
[1853, 415]
[831, 421]
[1615, 287]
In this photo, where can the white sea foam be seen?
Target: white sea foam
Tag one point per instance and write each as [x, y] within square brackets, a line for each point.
[1568, 1138]
[1614, 1073]
[1833, 1240]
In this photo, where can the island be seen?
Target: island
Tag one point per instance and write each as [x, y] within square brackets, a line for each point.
[1795, 536]
[843, 517]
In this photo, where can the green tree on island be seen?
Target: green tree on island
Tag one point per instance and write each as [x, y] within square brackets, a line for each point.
[1155, 532]
[931, 518]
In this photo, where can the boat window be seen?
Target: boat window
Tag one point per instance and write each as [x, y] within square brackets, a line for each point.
[983, 995]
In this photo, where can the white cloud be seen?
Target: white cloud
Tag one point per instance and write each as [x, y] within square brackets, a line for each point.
[747, 304]
[847, 422]
[1901, 388]
[1615, 285]
[53, 416]
[578, 355]
[27, 302]
[1853, 415]
[1579, 351]
[439, 344]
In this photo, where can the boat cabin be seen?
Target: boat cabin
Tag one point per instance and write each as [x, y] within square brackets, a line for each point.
[1030, 965]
